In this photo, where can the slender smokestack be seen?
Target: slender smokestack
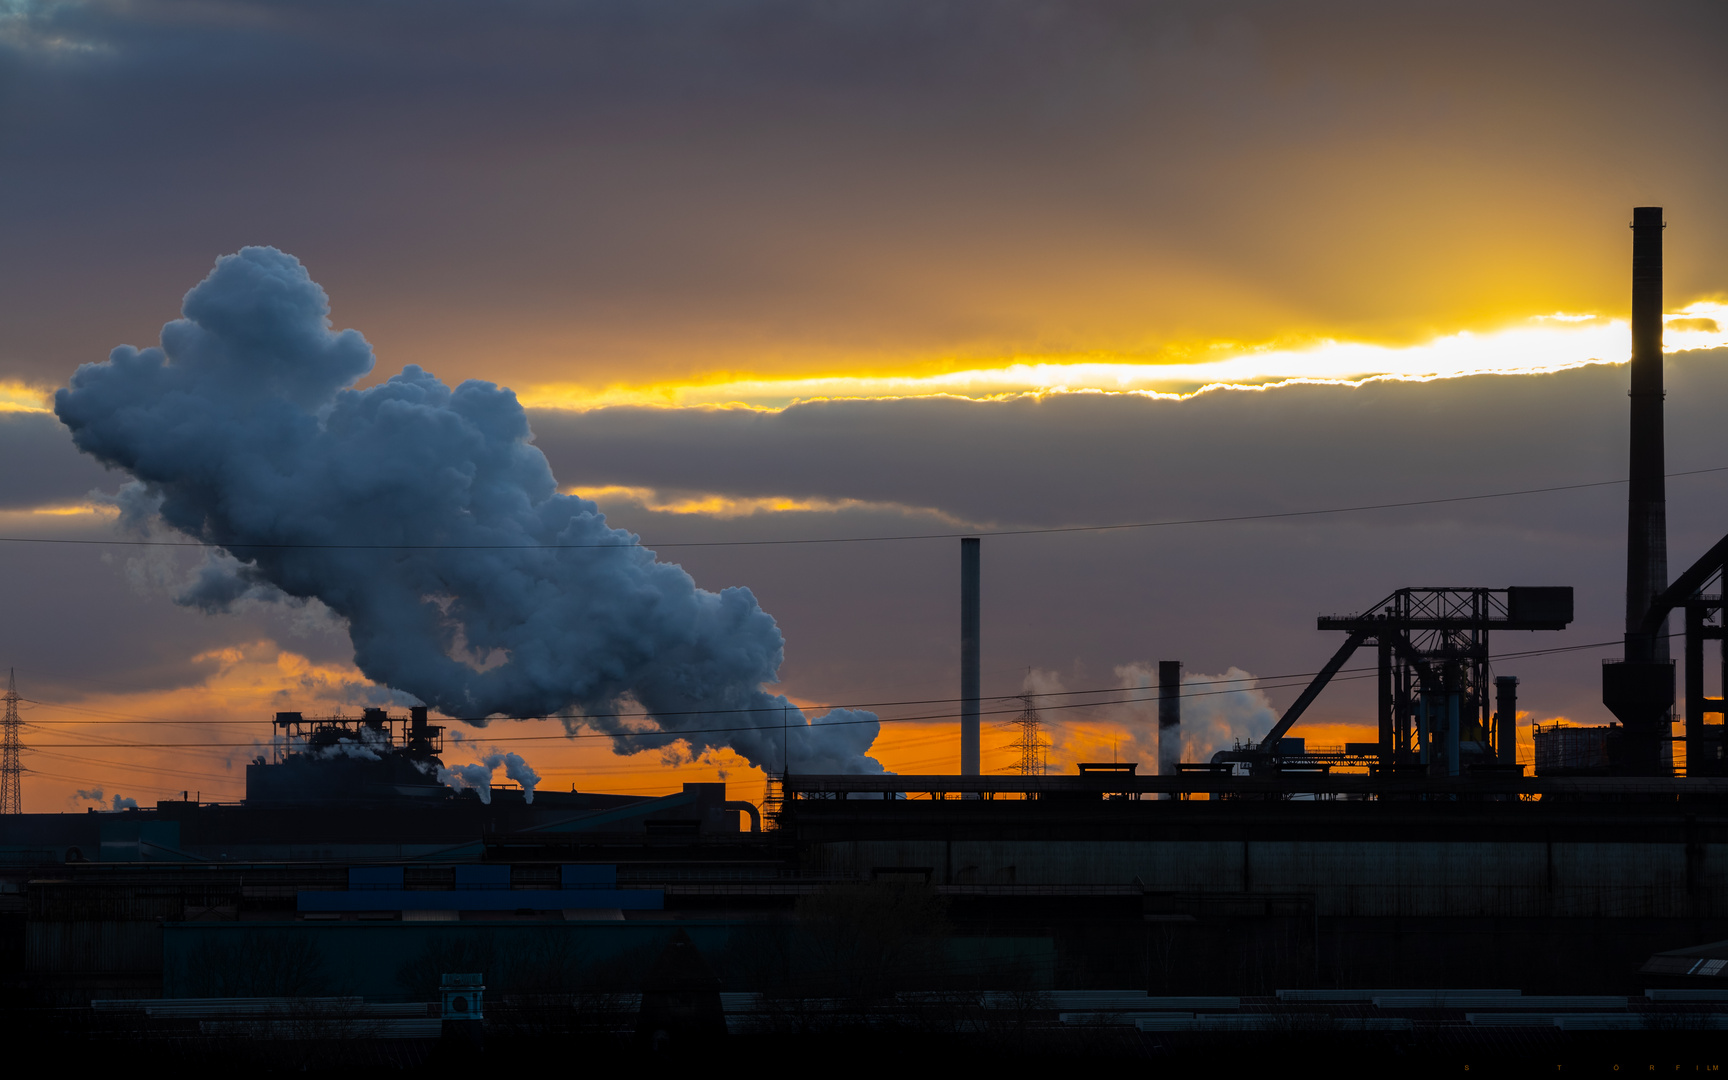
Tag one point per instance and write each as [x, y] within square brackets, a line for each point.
[1169, 717]
[1647, 501]
[1506, 717]
[970, 763]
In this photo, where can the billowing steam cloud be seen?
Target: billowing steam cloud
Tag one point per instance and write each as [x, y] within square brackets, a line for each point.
[1218, 711]
[243, 430]
[478, 778]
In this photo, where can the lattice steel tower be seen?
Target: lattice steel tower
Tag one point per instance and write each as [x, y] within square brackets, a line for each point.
[1031, 742]
[11, 769]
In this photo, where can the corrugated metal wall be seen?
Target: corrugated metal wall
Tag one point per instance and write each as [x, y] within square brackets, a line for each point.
[93, 947]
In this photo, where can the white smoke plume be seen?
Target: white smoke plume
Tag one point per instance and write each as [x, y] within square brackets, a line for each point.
[348, 748]
[520, 771]
[370, 746]
[1218, 711]
[468, 778]
[244, 424]
[97, 796]
[478, 778]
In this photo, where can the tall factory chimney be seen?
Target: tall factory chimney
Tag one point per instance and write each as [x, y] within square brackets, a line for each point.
[1646, 500]
[970, 759]
[1169, 718]
[1640, 689]
[1506, 718]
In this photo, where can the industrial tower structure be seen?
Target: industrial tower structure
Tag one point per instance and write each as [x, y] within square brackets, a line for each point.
[11, 769]
[1640, 688]
[971, 755]
[1436, 712]
[1030, 744]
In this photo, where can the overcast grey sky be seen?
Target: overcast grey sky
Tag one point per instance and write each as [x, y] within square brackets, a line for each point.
[593, 195]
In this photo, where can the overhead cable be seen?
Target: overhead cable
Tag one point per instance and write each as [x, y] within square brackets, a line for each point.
[243, 546]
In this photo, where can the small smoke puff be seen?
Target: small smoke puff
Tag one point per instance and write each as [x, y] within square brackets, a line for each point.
[121, 802]
[370, 746]
[1218, 711]
[426, 520]
[478, 777]
[518, 770]
[93, 795]
[1038, 681]
[350, 749]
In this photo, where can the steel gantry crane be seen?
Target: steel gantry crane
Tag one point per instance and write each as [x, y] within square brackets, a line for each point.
[1436, 714]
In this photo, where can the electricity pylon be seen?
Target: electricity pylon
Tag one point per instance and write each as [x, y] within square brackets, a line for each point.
[1030, 742]
[11, 769]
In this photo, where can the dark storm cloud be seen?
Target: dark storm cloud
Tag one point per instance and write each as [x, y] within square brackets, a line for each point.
[657, 184]
[1099, 459]
[1215, 595]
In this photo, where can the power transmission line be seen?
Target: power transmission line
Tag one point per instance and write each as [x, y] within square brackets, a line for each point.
[1261, 682]
[672, 735]
[243, 546]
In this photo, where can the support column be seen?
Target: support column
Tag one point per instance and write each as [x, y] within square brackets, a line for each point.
[1694, 687]
[1387, 733]
[1453, 719]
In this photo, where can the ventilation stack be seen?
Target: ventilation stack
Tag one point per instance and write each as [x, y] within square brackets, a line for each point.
[970, 759]
[1169, 718]
[1506, 718]
[1640, 689]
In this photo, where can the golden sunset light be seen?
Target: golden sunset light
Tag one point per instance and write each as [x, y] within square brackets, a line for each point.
[1545, 344]
[1172, 536]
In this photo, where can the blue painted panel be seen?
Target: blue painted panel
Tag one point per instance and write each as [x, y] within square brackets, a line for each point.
[374, 877]
[482, 877]
[590, 877]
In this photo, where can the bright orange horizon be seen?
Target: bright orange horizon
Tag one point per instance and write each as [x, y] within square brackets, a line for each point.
[664, 232]
[68, 758]
[249, 681]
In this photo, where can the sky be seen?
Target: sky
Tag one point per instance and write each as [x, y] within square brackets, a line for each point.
[770, 271]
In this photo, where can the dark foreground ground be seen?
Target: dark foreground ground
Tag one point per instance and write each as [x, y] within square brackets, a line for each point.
[875, 1050]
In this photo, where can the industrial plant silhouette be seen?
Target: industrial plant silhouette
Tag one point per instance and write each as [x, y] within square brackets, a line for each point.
[1423, 892]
